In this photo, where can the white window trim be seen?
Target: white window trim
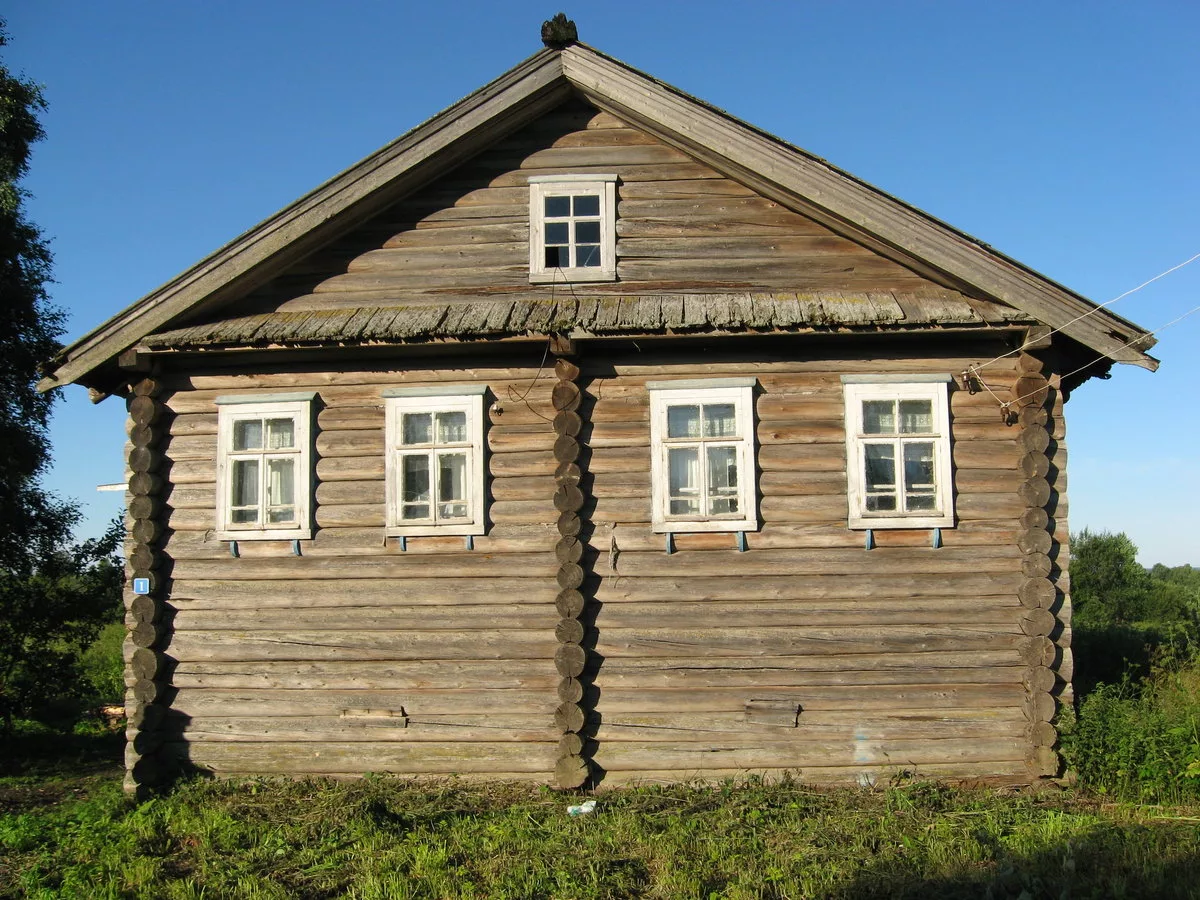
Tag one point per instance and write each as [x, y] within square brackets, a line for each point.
[858, 388]
[298, 407]
[467, 398]
[739, 392]
[543, 186]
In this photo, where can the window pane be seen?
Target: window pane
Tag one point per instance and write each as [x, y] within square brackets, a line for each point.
[244, 481]
[587, 256]
[281, 482]
[880, 462]
[414, 480]
[881, 502]
[414, 511]
[558, 257]
[722, 480]
[452, 477]
[451, 427]
[245, 516]
[418, 428]
[587, 205]
[558, 207]
[879, 417]
[916, 416]
[247, 434]
[720, 420]
[281, 515]
[587, 232]
[557, 233]
[683, 421]
[683, 467]
[919, 479]
[281, 434]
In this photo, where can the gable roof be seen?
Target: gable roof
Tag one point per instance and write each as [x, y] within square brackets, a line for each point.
[779, 171]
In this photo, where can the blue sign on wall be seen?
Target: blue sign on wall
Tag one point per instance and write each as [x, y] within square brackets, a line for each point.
[141, 585]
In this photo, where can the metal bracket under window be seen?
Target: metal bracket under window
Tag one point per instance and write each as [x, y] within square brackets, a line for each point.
[295, 548]
[869, 544]
[233, 549]
[936, 539]
[469, 542]
[670, 543]
[741, 541]
[403, 543]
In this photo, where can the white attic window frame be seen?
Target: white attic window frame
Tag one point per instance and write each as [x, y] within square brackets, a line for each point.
[234, 409]
[859, 390]
[467, 399]
[570, 187]
[735, 392]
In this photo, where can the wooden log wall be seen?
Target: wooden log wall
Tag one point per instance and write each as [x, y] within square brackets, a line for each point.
[681, 227]
[356, 655]
[145, 666]
[808, 651]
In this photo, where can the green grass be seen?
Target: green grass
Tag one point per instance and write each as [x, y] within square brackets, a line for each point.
[381, 837]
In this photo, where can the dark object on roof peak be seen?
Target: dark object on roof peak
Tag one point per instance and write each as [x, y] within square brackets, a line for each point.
[559, 32]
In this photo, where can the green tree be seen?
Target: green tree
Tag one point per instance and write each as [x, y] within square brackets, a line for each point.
[1108, 585]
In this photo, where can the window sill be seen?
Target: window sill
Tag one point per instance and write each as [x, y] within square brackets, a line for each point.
[471, 528]
[673, 526]
[276, 534]
[862, 523]
[572, 276]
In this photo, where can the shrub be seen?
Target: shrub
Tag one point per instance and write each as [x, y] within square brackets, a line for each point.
[103, 664]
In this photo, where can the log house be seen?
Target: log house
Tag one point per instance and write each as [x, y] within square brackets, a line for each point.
[588, 434]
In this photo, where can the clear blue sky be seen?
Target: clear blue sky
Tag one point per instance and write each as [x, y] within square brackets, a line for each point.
[1064, 134]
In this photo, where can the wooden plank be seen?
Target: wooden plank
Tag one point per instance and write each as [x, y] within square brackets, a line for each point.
[462, 616]
[298, 591]
[362, 675]
[300, 644]
[201, 702]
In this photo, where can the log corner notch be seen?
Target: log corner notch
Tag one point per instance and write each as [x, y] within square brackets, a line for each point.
[144, 592]
[570, 717]
[1035, 401]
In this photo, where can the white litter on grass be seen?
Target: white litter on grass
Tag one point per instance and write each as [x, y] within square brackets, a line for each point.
[583, 809]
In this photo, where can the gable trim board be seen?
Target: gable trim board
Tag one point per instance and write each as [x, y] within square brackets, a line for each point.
[797, 180]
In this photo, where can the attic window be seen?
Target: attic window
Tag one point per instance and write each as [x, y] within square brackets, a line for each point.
[572, 228]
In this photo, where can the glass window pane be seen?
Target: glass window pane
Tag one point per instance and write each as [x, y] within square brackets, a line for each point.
[587, 256]
[684, 506]
[452, 510]
[418, 428]
[414, 478]
[281, 515]
[916, 416]
[281, 434]
[720, 420]
[879, 417]
[281, 482]
[587, 204]
[881, 503]
[587, 232]
[557, 233]
[919, 502]
[558, 257]
[683, 479]
[414, 511]
[722, 470]
[245, 516]
[244, 480]
[880, 466]
[247, 434]
[451, 427]
[918, 465]
[683, 421]
[558, 207]
[452, 477]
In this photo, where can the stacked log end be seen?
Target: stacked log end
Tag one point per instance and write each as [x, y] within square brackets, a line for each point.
[1038, 593]
[144, 664]
[570, 659]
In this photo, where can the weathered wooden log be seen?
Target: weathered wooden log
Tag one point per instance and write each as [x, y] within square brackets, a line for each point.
[1040, 706]
[145, 483]
[569, 604]
[1035, 465]
[566, 449]
[145, 634]
[1037, 593]
[569, 524]
[1043, 734]
[1036, 565]
[570, 772]
[146, 691]
[1039, 678]
[143, 506]
[1034, 492]
[1043, 761]
[570, 690]
[1038, 651]
[569, 631]
[1035, 540]
[570, 576]
[1038, 622]
[144, 410]
[1035, 519]
[567, 473]
[1066, 666]
[146, 770]
[1031, 416]
[146, 716]
[569, 549]
[146, 387]
[1034, 439]
[569, 660]
[143, 436]
[146, 741]
[144, 664]
[568, 498]
[146, 531]
[1031, 390]
[565, 370]
[143, 459]
[1028, 364]
[570, 744]
[568, 423]
[565, 397]
[569, 717]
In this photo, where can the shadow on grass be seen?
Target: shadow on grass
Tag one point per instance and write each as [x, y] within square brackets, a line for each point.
[35, 752]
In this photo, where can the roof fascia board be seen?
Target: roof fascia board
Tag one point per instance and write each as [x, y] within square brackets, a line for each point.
[800, 180]
[447, 139]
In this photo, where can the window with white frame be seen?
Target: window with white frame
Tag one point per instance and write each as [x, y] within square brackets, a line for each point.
[572, 228]
[435, 460]
[264, 466]
[898, 451]
[702, 455]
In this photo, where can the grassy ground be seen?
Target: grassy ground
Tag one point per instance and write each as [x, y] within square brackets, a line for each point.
[67, 830]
